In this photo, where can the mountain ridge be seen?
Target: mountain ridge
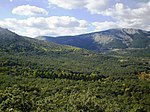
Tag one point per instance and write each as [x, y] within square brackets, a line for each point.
[12, 42]
[120, 38]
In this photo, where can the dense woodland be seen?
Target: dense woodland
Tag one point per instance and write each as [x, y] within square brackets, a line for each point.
[78, 81]
[36, 76]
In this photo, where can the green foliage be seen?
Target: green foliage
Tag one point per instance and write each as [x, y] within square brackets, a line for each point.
[73, 81]
[37, 76]
[118, 94]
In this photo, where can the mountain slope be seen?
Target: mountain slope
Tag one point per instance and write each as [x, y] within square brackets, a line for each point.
[16, 50]
[43, 76]
[11, 42]
[104, 40]
[45, 55]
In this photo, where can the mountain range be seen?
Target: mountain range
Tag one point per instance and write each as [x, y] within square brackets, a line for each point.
[111, 39]
[12, 42]
[42, 75]
[121, 38]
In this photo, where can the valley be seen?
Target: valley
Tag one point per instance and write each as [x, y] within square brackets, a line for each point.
[52, 76]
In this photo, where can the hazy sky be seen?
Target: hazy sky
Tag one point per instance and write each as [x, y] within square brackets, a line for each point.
[69, 17]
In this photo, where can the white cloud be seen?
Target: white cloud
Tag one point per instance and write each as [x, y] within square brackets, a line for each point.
[123, 16]
[91, 5]
[11, 0]
[28, 10]
[96, 6]
[136, 18]
[68, 4]
[126, 17]
[46, 26]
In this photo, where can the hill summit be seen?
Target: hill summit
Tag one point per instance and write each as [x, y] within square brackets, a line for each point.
[120, 38]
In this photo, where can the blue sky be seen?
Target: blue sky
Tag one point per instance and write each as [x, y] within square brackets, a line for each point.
[71, 17]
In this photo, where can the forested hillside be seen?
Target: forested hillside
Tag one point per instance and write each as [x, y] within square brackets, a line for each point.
[38, 76]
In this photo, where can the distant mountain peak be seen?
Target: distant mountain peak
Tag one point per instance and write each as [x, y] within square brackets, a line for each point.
[119, 38]
[130, 31]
